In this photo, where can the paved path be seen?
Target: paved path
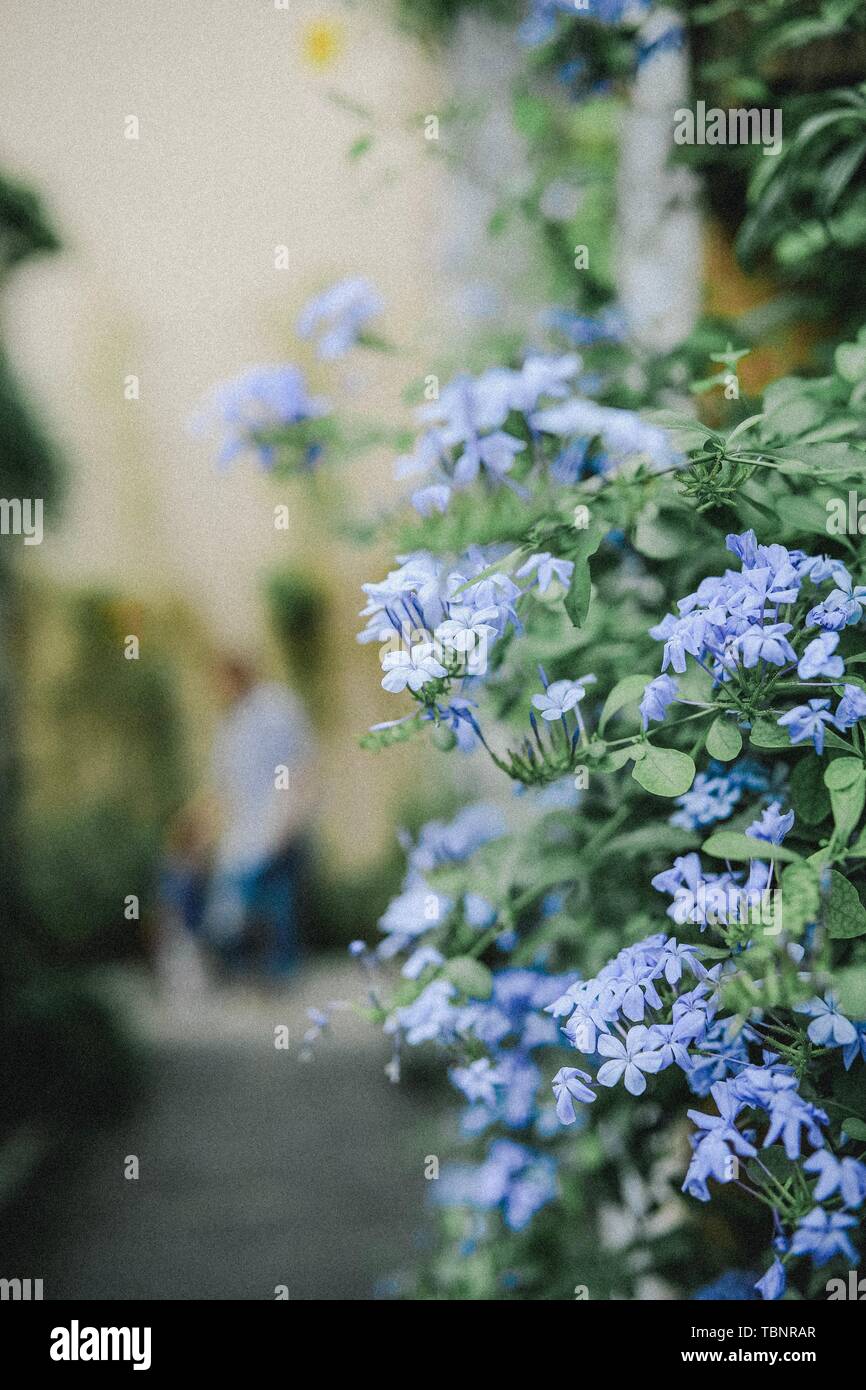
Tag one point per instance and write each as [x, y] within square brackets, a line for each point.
[256, 1170]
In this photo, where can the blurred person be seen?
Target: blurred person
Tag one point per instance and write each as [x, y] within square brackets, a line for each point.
[237, 857]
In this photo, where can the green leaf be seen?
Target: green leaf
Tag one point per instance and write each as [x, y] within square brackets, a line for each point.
[843, 773]
[360, 146]
[689, 432]
[850, 985]
[470, 976]
[745, 425]
[846, 915]
[845, 779]
[801, 897]
[832, 740]
[806, 514]
[577, 598]
[855, 1128]
[809, 796]
[766, 733]
[724, 740]
[614, 760]
[730, 844]
[628, 691]
[664, 771]
[498, 222]
[650, 840]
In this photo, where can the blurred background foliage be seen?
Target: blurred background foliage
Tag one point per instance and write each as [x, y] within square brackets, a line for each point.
[52, 896]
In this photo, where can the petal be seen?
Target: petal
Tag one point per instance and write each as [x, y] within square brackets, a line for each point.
[649, 1061]
[635, 1081]
[610, 1073]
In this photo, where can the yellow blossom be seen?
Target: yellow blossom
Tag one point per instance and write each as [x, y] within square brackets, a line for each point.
[322, 42]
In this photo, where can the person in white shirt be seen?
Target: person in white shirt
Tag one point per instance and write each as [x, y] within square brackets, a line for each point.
[250, 824]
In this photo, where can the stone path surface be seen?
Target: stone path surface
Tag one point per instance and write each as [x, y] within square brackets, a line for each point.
[256, 1170]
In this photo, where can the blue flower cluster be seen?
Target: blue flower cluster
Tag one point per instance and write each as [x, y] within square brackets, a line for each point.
[254, 405]
[419, 910]
[515, 1179]
[540, 24]
[464, 438]
[266, 401]
[339, 316]
[715, 794]
[656, 1004]
[748, 628]
[436, 624]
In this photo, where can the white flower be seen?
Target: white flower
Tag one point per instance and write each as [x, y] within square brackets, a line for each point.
[467, 628]
[560, 697]
[548, 569]
[413, 668]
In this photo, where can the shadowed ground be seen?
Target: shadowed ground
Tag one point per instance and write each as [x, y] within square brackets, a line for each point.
[256, 1169]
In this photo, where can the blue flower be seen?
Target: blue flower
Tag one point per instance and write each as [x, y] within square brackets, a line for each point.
[630, 1059]
[421, 960]
[560, 697]
[851, 708]
[718, 1145]
[817, 659]
[452, 842]
[765, 644]
[734, 1286]
[583, 330]
[789, 1113]
[434, 498]
[479, 913]
[431, 1016]
[808, 721]
[541, 375]
[821, 1234]
[842, 608]
[255, 404]
[535, 1186]
[772, 1285]
[513, 1177]
[622, 432]
[549, 569]
[478, 1081]
[660, 693]
[829, 1028]
[856, 1048]
[467, 629]
[415, 911]
[772, 825]
[711, 797]
[340, 315]
[459, 718]
[569, 1085]
[413, 668]
[847, 1176]
[674, 956]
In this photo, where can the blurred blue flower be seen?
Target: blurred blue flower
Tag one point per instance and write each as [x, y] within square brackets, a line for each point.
[339, 315]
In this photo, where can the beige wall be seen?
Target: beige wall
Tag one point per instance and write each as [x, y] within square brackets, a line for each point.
[168, 273]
